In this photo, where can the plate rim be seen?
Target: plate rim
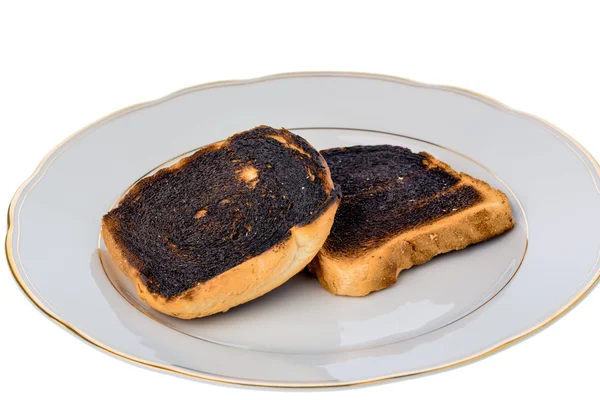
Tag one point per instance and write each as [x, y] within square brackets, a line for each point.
[590, 285]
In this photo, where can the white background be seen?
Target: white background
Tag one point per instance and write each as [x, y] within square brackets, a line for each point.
[66, 64]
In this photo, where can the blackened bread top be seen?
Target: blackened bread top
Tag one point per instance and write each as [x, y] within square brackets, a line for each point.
[223, 205]
[389, 190]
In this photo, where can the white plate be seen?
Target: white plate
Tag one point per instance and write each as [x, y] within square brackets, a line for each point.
[456, 308]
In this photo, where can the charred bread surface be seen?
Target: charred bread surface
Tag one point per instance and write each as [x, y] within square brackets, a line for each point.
[400, 209]
[225, 225]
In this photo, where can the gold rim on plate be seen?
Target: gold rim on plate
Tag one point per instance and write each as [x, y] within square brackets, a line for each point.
[266, 384]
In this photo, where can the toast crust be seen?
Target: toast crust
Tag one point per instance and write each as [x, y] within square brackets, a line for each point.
[373, 269]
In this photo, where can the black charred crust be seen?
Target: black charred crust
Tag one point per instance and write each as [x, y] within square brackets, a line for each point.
[185, 226]
[388, 190]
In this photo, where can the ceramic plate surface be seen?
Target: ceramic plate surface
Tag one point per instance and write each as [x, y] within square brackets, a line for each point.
[456, 308]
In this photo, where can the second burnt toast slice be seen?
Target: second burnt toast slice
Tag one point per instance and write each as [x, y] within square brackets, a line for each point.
[400, 209]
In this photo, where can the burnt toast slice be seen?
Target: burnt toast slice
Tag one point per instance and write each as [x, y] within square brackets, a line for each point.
[400, 209]
[225, 225]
